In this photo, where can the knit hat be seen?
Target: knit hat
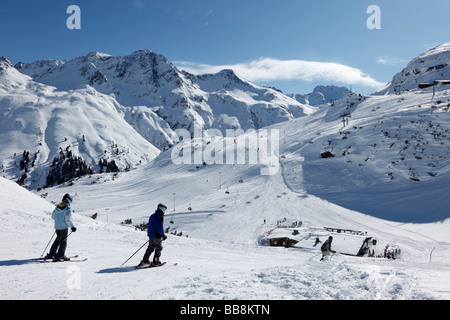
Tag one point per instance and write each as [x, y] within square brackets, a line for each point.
[67, 198]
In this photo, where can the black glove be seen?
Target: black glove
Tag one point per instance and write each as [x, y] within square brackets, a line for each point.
[164, 237]
[74, 229]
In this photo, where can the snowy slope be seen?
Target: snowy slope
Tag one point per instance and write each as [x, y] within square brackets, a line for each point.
[428, 67]
[391, 160]
[221, 257]
[390, 151]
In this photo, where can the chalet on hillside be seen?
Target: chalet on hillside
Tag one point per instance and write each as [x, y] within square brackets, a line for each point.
[345, 241]
[434, 83]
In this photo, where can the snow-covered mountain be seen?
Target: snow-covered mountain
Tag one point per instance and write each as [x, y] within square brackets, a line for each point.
[322, 95]
[41, 126]
[430, 66]
[157, 98]
[388, 156]
[133, 97]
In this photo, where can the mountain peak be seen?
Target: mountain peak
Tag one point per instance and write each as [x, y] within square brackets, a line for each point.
[92, 57]
[94, 54]
[227, 72]
[143, 52]
[231, 75]
[322, 95]
[5, 63]
[442, 48]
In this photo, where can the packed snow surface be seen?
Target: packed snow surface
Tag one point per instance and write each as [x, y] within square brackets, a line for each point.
[218, 255]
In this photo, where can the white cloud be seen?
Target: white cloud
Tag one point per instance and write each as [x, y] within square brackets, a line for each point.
[139, 4]
[269, 69]
[391, 61]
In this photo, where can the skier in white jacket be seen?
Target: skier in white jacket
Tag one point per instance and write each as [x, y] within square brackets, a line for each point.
[62, 216]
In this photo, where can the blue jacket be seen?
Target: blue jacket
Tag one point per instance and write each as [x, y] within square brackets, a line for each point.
[62, 216]
[156, 225]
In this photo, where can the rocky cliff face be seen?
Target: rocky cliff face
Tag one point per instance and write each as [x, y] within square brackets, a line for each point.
[322, 95]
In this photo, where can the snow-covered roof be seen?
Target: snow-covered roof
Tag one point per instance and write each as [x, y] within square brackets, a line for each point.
[346, 243]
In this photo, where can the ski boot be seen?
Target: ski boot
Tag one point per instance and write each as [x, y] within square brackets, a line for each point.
[49, 257]
[61, 259]
[156, 261]
[144, 263]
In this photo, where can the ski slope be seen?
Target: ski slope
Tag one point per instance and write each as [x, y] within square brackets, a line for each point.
[221, 257]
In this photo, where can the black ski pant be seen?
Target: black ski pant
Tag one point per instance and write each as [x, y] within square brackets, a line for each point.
[60, 244]
[153, 244]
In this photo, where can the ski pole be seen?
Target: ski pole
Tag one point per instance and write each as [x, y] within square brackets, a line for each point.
[48, 243]
[136, 252]
[66, 237]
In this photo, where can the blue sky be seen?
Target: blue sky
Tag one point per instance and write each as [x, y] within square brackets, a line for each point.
[290, 44]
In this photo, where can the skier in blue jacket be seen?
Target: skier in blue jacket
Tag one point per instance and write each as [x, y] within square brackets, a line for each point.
[62, 216]
[155, 232]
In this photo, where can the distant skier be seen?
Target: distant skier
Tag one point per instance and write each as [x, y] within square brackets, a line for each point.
[156, 236]
[326, 247]
[63, 221]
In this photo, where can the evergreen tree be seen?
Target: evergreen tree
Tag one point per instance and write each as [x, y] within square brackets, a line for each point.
[67, 167]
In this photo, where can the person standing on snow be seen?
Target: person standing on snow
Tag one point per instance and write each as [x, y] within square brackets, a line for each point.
[63, 221]
[326, 247]
[155, 232]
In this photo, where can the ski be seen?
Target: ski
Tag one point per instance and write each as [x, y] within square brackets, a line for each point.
[153, 266]
[71, 259]
[150, 266]
[49, 260]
